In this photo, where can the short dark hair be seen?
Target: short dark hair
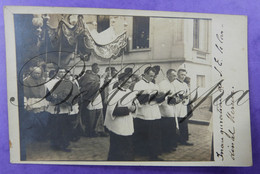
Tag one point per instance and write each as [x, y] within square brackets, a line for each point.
[148, 69]
[182, 70]
[123, 76]
[113, 69]
[80, 16]
[94, 64]
[110, 69]
[169, 71]
[128, 70]
[52, 73]
[157, 69]
[107, 69]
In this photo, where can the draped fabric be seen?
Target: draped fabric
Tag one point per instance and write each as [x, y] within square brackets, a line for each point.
[67, 32]
[107, 50]
[104, 45]
[89, 87]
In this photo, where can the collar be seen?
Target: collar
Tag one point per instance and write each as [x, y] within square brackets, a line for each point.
[145, 80]
[179, 80]
[169, 80]
[121, 89]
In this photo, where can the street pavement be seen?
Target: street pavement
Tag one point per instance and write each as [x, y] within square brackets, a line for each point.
[96, 149]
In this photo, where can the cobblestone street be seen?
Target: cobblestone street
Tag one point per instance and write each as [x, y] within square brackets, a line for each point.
[96, 149]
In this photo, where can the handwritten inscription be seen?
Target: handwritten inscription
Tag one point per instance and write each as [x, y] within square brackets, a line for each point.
[220, 154]
[219, 45]
[227, 120]
[219, 100]
[231, 132]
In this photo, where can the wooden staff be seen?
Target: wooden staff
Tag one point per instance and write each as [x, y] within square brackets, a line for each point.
[59, 53]
[122, 58]
[60, 47]
[46, 47]
[75, 54]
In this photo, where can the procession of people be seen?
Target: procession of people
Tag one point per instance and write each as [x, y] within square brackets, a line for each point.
[140, 115]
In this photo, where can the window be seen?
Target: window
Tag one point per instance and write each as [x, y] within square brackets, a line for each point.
[201, 34]
[141, 32]
[102, 23]
[201, 81]
[196, 33]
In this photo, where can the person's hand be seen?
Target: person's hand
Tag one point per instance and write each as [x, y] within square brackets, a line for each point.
[178, 100]
[132, 108]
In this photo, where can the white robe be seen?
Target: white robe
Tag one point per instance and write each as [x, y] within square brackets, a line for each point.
[119, 125]
[147, 111]
[181, 108]
[165, 109]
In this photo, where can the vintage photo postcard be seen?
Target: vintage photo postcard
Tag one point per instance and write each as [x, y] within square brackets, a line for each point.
[125, 87]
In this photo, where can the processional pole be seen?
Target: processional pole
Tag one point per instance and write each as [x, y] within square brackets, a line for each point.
[45, 22]
[45, 40]
[125, 28]
[122, 59]
[59, 61]
[75, 54]
[46, 46]
[59, 52]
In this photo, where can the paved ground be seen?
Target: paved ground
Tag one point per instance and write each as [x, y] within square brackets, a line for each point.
[97, 148]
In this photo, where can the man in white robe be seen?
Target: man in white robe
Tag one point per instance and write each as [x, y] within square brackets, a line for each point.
[169, 137]
[182, 90]
[147, 124]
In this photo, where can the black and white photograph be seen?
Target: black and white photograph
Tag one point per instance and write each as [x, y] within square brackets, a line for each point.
[101, 87]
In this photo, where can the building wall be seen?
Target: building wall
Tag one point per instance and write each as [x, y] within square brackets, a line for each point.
[170, 46]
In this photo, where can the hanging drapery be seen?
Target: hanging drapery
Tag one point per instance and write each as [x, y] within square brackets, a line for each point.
[108, 48]
[104, 45]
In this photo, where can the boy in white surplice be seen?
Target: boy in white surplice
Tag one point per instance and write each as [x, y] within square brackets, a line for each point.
[119, 120]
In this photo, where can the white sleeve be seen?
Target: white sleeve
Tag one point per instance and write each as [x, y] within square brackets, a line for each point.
[138, 86]
[187, 93]
[156, 87]
[162, 86]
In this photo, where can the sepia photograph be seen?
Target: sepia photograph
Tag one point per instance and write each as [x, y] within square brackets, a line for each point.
[74, 70]
[100, 87]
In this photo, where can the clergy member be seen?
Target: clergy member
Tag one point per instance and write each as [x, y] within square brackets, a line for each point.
[119, 121]
[182, 90]
[147, 124]
[167, 109]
